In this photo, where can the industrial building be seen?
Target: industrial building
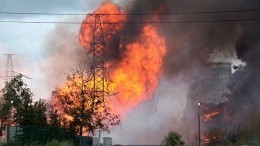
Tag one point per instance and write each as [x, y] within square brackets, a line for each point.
[216, 81]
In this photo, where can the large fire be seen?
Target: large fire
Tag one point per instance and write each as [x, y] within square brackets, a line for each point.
[87, 28]
[135, 76]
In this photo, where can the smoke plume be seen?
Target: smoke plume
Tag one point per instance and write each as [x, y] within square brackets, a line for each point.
[63, 53]
[190, 47]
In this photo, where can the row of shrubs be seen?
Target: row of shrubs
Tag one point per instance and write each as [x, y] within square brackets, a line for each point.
[49, 143]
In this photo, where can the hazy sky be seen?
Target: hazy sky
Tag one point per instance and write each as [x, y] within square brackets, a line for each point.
[28, 40]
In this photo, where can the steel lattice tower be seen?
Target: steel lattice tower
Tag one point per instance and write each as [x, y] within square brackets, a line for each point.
[97, 69]
[9, 68]
[99, 77]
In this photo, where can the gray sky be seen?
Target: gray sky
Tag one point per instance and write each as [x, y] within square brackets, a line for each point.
[45, 5]
[29, 40]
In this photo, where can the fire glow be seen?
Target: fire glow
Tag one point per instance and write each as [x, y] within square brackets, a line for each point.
[209, 116]
[136, 75]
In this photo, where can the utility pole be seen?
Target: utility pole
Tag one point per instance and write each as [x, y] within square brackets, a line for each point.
[199, 120]
[188, 132]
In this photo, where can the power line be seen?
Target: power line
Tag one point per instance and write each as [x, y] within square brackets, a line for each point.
[39, 22]
[131, 23]
[135, 14]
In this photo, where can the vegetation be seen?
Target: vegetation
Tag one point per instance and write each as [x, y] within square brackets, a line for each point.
[247, 134]
[17, 108]
[75, 111]
[173, 139]
[11, 143]
[59, 143]
[49, 143]
[85, 113]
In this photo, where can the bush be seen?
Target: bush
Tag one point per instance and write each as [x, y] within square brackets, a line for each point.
[11, 143]
[61, 143]
[173, 139]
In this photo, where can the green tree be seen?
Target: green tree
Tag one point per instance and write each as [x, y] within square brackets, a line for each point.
[54, 117]
[15, 94]
[5, 112]
[40, 113]
[24, 112]
[18, 109]
[17, 105]
[173, 139]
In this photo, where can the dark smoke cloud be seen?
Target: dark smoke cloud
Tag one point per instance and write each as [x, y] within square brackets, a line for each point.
[190, 48]
[245, 82]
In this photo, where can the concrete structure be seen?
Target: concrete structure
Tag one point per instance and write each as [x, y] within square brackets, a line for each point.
[217, 77]
[107, 141]
[96, 141]
[11, 132]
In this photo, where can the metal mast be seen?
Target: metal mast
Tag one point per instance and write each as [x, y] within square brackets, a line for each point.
[9, 68]
[97, 69]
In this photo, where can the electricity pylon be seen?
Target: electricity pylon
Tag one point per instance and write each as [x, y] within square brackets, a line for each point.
[9, 68]
[99, 77]
[9, 72]
[98, 73]
[97, 47]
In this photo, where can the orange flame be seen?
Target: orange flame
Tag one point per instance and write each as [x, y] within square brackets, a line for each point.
[205, 139]
[210, 137]
[136, 76]
[209, 116]
[85, 36]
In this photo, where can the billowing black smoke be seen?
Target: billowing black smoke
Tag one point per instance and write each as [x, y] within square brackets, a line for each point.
[245, 82]
[192, 45]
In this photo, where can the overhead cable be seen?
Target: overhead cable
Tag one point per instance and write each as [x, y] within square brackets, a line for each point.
[136, 14]
[132, 23]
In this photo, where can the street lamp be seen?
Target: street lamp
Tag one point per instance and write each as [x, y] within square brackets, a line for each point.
[199, 120]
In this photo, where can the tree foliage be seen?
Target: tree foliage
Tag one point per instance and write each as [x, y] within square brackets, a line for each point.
[17, 108]
[173, 139]
[54, 117]
[16, 102]
[83, 112]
